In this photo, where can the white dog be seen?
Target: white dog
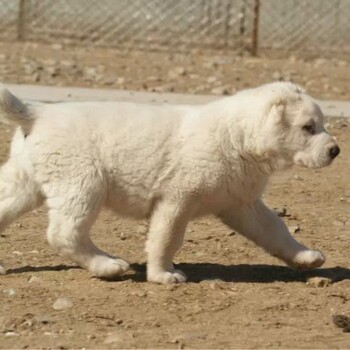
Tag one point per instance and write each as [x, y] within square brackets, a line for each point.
[167, 163]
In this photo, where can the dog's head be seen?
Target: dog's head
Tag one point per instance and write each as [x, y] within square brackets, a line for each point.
[294, 128]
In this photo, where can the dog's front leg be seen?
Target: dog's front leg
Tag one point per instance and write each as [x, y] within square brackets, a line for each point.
[267, 230]
[167, 227]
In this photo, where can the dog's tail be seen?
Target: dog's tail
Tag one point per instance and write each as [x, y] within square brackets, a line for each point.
[13, 110]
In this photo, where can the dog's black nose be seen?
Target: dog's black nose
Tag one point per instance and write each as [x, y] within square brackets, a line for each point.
[334, 151]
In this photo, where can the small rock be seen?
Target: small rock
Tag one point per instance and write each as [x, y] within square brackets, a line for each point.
[339, 222]
[2, 269]
[53, 71]
[294, 229]
[220, 90]
[319, 281]
[62, 303]
[119, 337]
[49, 62]
[277, 76]
[68, 64]
[176, 72]
[123, 237]
[34, 279]
[142, 229]
[16, 252]
[112, 338]
[281, 212]
[11, 292]
[29, 69]
[188, 336]
[11, 334]
[90, 72]
[171, 287]
[212, 80]
[56, 46]
[43, 319]
[159, 89]
[110, 80]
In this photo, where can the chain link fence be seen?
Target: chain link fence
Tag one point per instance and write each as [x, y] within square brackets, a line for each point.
[299, 26]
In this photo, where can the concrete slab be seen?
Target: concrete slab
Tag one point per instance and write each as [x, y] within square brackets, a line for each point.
[59, 94]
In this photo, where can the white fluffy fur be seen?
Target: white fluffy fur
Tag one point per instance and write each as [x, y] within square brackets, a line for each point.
[166, 163]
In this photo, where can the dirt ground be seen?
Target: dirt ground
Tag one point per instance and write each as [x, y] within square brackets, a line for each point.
[237, 295]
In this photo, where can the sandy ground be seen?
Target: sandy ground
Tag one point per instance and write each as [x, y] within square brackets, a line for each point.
[237, 295]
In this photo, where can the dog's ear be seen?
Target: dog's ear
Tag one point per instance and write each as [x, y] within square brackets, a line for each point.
[279, 104]
[277, 111]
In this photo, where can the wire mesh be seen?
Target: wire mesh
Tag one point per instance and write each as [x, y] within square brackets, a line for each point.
[300, 26]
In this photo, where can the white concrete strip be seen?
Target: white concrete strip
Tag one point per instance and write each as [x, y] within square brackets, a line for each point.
[60, 94]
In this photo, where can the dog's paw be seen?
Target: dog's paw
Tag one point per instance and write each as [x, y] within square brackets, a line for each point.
[2, 269]
[107, 267]
[308, 260]
[165, 277]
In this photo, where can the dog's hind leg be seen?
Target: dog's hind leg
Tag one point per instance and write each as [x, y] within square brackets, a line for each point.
[267, 230]
[72, 211]
[18, 193]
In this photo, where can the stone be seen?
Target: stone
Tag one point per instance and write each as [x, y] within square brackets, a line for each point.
[319, 281]
[220, 90]
[2, 269]
[56, 46]
[294, 229]
[34, 279]
[62, 304]
[177, 72]
[10, 292]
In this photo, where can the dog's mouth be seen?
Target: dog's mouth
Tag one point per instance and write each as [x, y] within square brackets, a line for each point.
[312, 164]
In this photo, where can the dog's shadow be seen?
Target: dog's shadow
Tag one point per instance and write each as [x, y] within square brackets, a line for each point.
[29, 268]
[199, 272]
[244, 273]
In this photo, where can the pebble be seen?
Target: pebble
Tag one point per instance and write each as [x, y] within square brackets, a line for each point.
[2, 269]
[57, 46]
[53, 71]
[177, 72]
[281, 212]
[112, 338]
[90, 73]
[212, 79]
[294, 229]
[110, 80]
[11, 292]
[319, 281]
[62, 303]
[142, 229]
[119, 337]
[16, 252]
[11, 334]
[43, 319]
[277, 76]
[220, 90]
[34, 279]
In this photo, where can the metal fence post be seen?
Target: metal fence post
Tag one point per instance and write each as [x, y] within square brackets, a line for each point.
[21, 20]
[255, 37]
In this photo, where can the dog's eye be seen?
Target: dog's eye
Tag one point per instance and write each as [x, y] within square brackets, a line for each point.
[310, 128]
